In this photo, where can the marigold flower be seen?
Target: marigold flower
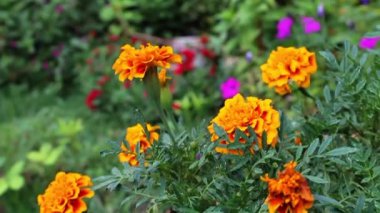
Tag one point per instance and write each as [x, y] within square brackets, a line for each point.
[135, 135]
[240, 113]
[65, 194]
[134, 63]
[285, 64]
[290, 192]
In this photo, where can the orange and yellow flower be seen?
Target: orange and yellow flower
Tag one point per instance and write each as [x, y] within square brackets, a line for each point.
[134, 63]
[289, 64]
[133, 137]
[65, 194]
[240, 113]
[290, 192]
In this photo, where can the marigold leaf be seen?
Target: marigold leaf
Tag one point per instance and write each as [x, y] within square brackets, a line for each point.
[313, 146]
[326, 94]
[359, 204]
[327, 200]
[316, 179]
[341, 151]
[325, 144]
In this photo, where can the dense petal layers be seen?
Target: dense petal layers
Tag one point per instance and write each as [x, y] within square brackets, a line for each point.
[133, 137]
[289, 64]
[290, 192]
[240, 113]
[133, 63]
[65, 194]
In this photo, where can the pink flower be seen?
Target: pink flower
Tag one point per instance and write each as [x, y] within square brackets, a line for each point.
[230, 87]
[369, 42]
[284, 27]
[310, 25]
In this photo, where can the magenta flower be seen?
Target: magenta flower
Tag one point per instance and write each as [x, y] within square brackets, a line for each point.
[369, 42]
[230, 87]
[310, 25]
[284, 27]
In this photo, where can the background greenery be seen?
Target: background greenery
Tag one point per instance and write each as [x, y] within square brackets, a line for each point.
[54, 52]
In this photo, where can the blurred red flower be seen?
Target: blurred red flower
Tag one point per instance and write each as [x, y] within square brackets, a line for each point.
[103, 80]
[188, 62]
[91, 97]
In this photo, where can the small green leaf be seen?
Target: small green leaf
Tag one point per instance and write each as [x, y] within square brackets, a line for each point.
[107, 13]
[316, 179]
[359, 204]
[341, 151]
[327, 200]
[325, 144]
[16, 169]
[326, 93]
[3, 186]
[16, 182]
[313, 146]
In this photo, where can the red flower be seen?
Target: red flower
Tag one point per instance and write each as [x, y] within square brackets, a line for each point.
[127, 84]
[91, 97]
[204, 39]
[176, 106]
[103, 80]
[213, 69]
[208, 53]
[188, 62]
[134, 39]
[113, 37]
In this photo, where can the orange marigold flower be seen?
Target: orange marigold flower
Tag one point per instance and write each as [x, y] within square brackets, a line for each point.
[289, 192]
[134, 135]
[133, 63]
[289, 64]
[240, 113]
[65, 194]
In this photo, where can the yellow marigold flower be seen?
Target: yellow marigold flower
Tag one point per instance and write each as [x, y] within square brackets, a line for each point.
[133, 63]
[240, 113]
[289, 64]
[290, 192]
[65, 194]
[134, 135]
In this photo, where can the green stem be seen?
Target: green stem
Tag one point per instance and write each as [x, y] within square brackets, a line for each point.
[306, 93]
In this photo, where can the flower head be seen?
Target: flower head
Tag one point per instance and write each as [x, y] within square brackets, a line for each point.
[284, 27]
[321, 10]
[134, 63]
[188, 62]
[239, 113]
[133, 137]
[285, 64]
[290, 192]
[369, 42]
[91, 98]
[248, 56]
[230, 87]
[66, 193]
[310, 25]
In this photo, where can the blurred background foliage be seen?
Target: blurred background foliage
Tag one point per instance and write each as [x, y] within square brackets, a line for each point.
[54, 53]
